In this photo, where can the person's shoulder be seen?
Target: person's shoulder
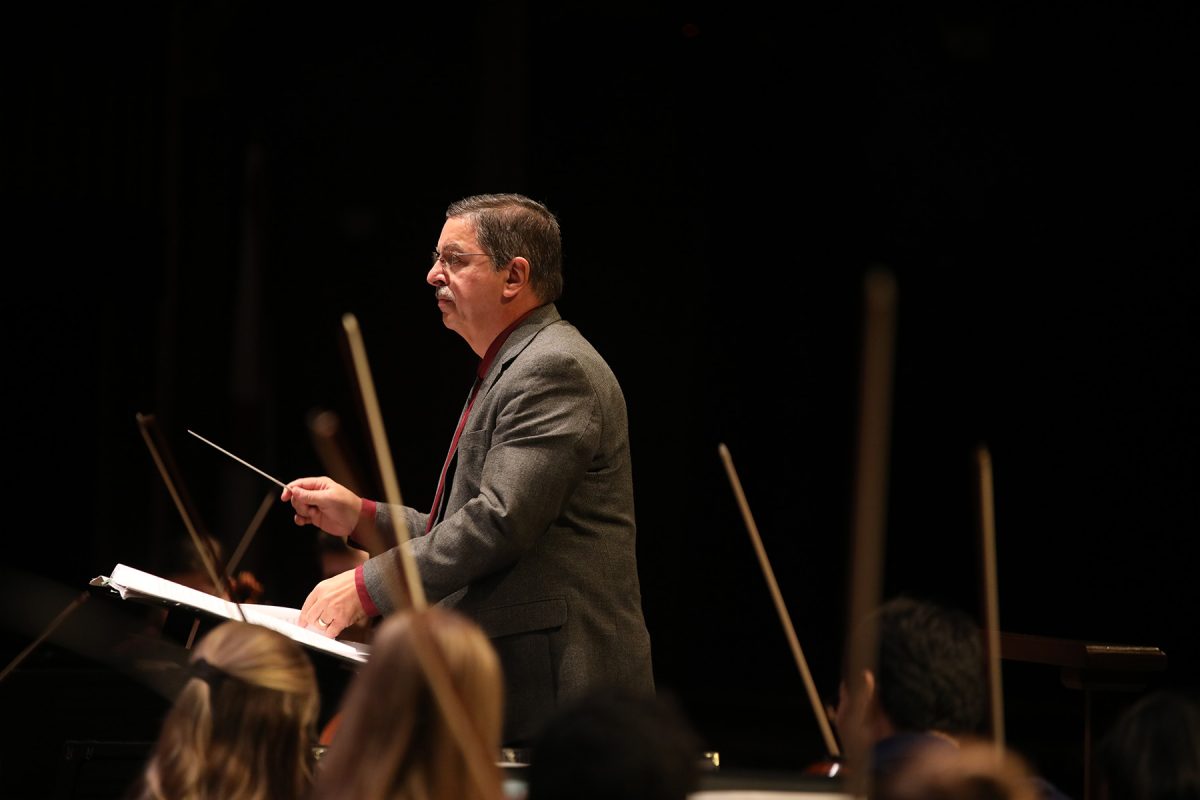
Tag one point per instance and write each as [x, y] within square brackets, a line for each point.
[559, 338]
[559, 356]
[557, 349]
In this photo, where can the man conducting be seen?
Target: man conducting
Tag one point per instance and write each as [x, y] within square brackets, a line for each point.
[533, 536]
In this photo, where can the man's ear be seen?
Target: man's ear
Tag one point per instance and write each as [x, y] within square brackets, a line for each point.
[869, 684]
[879, 720]
[516, 276]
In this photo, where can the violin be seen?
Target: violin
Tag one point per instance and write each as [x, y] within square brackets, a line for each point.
[830, 768]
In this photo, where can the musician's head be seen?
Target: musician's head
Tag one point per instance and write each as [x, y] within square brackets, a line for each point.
[614, 743]
[395, 737]
[243, 724]
[1153, 748]
[183, 563]
[929, 674]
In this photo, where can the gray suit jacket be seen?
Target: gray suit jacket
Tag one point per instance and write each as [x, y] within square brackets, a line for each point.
[537, 540]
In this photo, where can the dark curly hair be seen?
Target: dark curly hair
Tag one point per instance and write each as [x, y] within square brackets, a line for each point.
[931, 672]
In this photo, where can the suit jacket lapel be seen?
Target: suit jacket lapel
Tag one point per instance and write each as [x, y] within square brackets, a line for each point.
[517, 341]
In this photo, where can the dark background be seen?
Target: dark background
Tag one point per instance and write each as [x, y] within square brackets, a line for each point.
[195, 193]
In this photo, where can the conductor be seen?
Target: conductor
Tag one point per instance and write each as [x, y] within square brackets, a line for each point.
[532, 530]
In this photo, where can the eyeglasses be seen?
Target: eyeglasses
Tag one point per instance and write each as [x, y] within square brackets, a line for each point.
[452, 260]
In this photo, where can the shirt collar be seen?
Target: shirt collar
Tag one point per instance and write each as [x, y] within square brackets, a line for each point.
[498, 342]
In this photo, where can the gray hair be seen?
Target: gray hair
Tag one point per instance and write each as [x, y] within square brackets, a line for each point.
[511, 225]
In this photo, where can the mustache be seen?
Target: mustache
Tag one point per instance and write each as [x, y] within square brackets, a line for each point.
[443, 293]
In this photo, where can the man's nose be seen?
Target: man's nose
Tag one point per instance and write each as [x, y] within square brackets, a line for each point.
[436, 276]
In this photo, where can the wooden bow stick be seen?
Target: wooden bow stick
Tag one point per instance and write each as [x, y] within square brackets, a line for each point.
[870, 501]
[430, 657]
[813, 696]
[991, 594]
[146, 424]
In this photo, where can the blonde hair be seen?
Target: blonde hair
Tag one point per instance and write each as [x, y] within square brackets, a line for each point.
[243, 726]
[393, 740]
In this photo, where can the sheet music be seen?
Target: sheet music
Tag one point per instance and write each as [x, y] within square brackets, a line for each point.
[131, 583]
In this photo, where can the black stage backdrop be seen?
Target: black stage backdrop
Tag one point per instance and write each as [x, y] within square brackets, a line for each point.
[196, 193]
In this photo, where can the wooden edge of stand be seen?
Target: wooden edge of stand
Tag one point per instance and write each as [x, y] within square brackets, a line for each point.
[1081, 655]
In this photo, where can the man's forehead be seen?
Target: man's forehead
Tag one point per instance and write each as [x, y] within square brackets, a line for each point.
[457, 231]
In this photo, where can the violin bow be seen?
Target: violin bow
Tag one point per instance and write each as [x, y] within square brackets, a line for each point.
[149, 429]
[429, 655]
[67, 611]
[870, 501]
[251, 531]
[324, 426]
[991, 594]
[785, 619]
[414, 591]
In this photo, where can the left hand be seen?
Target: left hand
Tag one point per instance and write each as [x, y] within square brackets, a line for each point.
[333, 601]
